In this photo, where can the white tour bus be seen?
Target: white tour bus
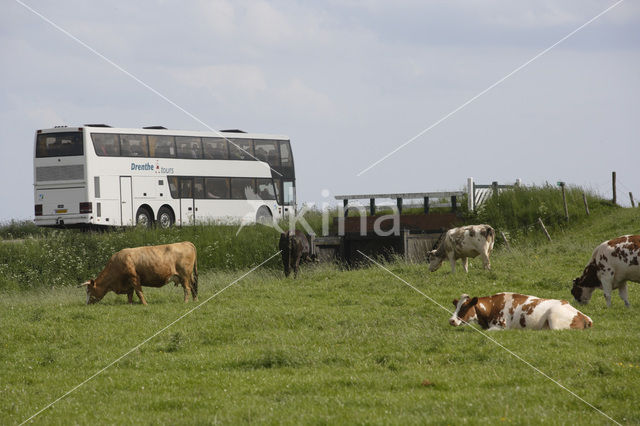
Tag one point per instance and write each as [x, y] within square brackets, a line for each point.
[99, 175]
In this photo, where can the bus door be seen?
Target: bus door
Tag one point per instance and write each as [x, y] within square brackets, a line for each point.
[289, 195]
[126, 201]
[187, 203]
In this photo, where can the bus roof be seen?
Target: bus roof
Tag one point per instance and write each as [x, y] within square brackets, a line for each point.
[168, 132]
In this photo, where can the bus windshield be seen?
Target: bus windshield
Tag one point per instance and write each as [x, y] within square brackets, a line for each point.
[63, 144]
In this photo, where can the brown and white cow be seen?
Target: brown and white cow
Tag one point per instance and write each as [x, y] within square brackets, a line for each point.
[512, 311]
[463, 243]
[612, 264]
[152, 266]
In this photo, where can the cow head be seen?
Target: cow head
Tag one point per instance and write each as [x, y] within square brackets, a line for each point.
[93, 296]
[465, 312]
[585, 284]
[434, 260]
[581, 294]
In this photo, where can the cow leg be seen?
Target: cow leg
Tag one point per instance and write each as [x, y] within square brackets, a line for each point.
[622, 292]
[130, 297]
[606, 288]
[286, 265]
[138, 289]
[452, 259]
[465, 264]
[141, 296]
[485, 261]
[296, 266]
[187, 292]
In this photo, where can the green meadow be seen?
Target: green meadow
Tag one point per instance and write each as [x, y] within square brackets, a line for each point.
[336, 346]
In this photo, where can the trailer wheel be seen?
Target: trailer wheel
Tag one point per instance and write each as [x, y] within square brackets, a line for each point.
[165, 217]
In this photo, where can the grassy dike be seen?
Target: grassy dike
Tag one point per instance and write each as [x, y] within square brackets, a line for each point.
[332, 347]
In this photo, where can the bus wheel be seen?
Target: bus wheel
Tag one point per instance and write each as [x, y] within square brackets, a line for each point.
[264, 216]
[143, 218]
[165, 217]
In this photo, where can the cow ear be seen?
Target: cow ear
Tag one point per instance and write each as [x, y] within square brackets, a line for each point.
[473, 301]
[455, 302]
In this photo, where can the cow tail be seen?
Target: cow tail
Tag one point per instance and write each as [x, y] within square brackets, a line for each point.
[194, 286]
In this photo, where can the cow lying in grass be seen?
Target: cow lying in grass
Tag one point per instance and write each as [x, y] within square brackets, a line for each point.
[463, 243]
[612, 264]
[512, 311]
[152, 266]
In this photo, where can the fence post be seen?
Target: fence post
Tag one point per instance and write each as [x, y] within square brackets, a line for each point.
[544, 229]
[345, 202]
[586, 205]
[372, 206]
[613, 186]
[564, 201]
[504, 237]
[470, 195]
[399, 204]
[426, 205]
[494, 185]
[633, 204]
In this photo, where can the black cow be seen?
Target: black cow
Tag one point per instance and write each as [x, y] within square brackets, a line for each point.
[294, 247]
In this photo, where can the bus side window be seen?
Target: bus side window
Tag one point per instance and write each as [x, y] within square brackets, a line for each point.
[267, 151]
[241, 149]
[134, 146]
[265, 189]
[285, 154]
[198, 188]
[242, 189]
[173, 186]
[277, 183]
[162, 146]
[217, 188]
[189, 147]
[106, 144]
[215, 149]
[186, 187]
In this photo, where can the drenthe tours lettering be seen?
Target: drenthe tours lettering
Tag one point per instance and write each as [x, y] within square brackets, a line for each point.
[150, 167]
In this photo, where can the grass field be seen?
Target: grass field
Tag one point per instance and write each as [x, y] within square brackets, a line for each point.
[334, 346]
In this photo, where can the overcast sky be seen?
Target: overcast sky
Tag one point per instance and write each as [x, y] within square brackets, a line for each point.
[348, 81]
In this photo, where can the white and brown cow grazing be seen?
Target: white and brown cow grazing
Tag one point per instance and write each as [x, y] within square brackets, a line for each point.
[512, 311]
[612, 264]
[152, 266]
[463, 243]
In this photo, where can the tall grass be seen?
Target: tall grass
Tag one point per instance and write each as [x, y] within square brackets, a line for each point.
[65, 257]
[21, 229]
[516, 211]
